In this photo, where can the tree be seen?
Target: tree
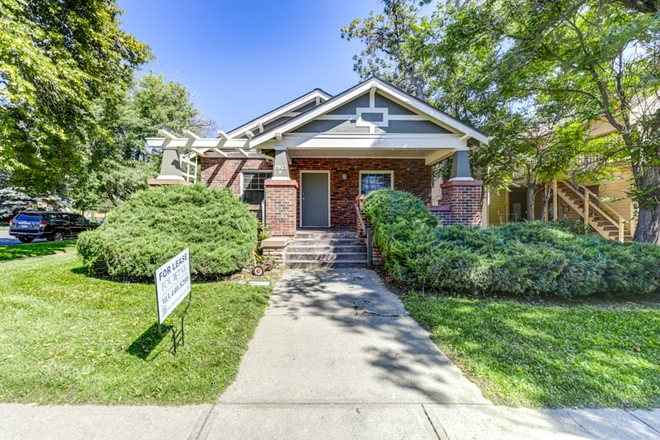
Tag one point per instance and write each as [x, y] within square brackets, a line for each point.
[58, 59]
[600, 58]
[120, 163]
[597, 59]
[385, 53]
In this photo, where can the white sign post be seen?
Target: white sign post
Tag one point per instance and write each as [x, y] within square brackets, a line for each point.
[172, 285]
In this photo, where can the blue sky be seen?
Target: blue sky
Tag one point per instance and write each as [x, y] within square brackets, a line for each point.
[242, 58]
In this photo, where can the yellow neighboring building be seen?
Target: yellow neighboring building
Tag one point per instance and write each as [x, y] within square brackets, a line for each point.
[604, 205]
[608, 209]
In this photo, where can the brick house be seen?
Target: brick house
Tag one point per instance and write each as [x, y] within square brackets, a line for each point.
[303, 164]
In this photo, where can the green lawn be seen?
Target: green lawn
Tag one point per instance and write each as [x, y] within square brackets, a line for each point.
[550, 356]
[66, 337]
[39, 249]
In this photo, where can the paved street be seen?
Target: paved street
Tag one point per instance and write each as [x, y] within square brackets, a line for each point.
[6, 239]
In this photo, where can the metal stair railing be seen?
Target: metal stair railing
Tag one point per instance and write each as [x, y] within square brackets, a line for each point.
[367, 232]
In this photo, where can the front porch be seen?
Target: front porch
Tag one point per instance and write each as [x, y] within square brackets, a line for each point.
[303, 165]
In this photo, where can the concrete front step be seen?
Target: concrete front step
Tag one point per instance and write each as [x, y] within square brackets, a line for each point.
[297, 264]
[295, 248]
[327, 256]
[325, 234]
[326, 242]
[326, 249]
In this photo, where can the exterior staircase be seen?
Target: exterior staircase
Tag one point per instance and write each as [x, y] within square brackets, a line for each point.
[607, 222]
[326, 249]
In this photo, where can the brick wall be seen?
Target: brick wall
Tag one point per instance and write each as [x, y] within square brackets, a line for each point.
[443, 213]
[281, 202]
[464, 199]
[411, 175]
[226, 173]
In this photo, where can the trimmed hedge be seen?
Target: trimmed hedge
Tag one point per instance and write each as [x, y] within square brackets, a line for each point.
[520, 259]
[156, 224]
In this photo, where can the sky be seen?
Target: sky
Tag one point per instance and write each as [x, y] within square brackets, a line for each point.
[243, 58]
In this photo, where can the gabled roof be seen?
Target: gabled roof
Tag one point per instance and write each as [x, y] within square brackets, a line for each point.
[389, 91]
[315, 96]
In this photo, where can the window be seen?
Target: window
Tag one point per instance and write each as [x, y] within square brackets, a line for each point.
[254, 189]
[374, 180]
[28, 218]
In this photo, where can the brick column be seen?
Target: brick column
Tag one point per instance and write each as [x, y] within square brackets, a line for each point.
[281, 200]
[464, 199]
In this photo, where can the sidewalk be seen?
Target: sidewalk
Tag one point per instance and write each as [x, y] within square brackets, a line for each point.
[334, 357]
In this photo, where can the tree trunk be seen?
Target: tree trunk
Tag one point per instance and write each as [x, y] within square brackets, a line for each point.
[547, 191]
[531, 193]
[648, 223]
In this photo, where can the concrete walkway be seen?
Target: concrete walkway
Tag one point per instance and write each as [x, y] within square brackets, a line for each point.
[334, 357]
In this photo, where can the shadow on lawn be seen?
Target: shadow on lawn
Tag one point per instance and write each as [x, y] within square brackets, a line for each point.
[143, 346]
[15, 251]
[552, 356]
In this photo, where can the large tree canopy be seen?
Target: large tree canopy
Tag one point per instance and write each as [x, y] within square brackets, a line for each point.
[513, 67]
[61, 62]
[120, 163]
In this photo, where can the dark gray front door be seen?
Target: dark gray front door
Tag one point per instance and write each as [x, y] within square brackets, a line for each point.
[314, 208]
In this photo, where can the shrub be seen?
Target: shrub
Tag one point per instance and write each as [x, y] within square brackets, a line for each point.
[156, 224]
[522, 259]
[402, 230]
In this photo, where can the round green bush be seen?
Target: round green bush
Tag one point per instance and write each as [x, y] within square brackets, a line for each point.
[156, 224]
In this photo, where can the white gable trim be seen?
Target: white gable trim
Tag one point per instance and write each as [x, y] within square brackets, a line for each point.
[286, 110]
[389, 91]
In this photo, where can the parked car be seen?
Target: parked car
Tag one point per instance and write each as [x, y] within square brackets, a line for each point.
[53, 226]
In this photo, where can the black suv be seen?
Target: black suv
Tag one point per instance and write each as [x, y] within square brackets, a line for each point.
[53, 226]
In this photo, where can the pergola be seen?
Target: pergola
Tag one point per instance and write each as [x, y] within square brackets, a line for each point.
[183, 151]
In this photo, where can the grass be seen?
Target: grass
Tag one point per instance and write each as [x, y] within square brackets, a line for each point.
[549, 356]
[40, 249]
[67, 338]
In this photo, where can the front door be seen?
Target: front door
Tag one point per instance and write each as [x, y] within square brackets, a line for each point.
[314, 199]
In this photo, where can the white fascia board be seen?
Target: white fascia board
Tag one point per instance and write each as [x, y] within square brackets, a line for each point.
[373, 142]
[273, 115]
[398, 96]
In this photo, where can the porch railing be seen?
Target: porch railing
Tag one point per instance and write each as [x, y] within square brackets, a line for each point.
[367, 232]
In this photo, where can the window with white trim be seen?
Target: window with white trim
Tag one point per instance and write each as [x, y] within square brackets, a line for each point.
[254, 188]
[375, 180]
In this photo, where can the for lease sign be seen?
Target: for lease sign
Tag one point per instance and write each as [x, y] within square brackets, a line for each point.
[172, 284]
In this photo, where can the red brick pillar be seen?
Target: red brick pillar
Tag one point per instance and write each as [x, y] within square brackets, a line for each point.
[281, 200]
[464, 198]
